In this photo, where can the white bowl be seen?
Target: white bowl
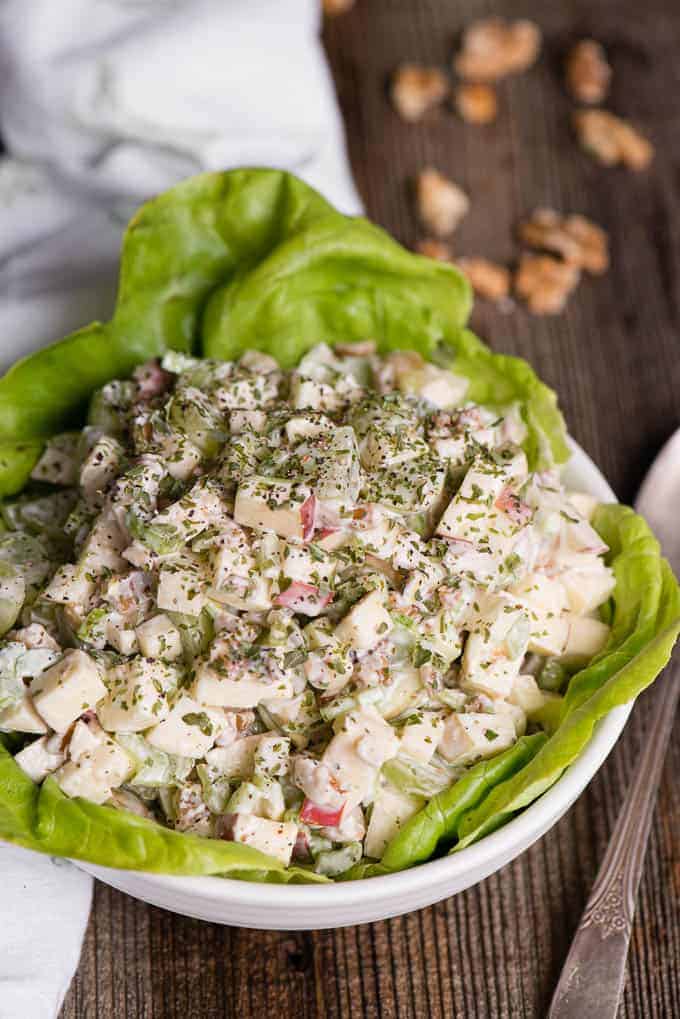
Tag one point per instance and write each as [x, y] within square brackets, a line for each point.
[310, 907]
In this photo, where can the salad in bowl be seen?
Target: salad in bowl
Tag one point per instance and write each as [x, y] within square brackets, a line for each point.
[291, 586]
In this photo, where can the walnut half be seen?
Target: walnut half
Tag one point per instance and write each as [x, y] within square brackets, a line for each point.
[416, 89]
[476, 102]
[577, 239]
[545, 283]
[493, 48]
[588, 72]
[441, 203]
[488, 279]
[612, 140]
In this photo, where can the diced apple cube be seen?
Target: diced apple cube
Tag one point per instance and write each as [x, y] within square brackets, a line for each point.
[495, 647]
[312, 566]
[58, 464]
[101, 553]
[67, 689]
[272, 504]
[137, 698]
[100, 467]
[527, 694]
[22, 717]
[590, 587]
[235, 760]
[158, 637]
[308, 393]
[40, 758]
[420, 739]
[274, 838]
[470, 736]
[182, 587]
[587, 637]
[583, 503]
[68, 586]
[237, 687]
[190, 730]
[391, 810]
[96, 768]
[366, 624]
[247, 595]
[355, 755]
[247, 420]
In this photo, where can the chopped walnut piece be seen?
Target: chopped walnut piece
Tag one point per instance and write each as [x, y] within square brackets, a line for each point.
[476, 103]
[588, 72]
[416, 89]
[441, 203]
[493, 47]
[488, 279]
[577, 239]
[431, 248]
[333, 7]
[612, 140]
[545, 283]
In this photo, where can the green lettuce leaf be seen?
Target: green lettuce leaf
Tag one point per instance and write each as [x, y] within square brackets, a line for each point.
[44, 819]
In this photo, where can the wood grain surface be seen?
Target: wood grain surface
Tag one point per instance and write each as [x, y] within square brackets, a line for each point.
[496, 950]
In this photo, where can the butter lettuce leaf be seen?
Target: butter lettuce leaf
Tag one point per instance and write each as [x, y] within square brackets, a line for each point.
[42, 818]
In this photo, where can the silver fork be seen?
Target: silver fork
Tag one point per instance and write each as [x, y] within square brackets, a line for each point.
[591, 982]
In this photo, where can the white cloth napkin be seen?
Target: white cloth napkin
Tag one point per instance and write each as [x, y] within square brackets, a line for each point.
[103, 103]
[111, 101]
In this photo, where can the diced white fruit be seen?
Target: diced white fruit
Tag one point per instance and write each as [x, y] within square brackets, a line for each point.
[258, 362]
[527, 694]
[355, 755]
[299, 562]
[59, 462]
[247, 595]
[545, 600]
[190, 730]
[587, 637]
[233, 557]
[514, 713]
[67, 689]
[158, 637]
[307, 393]
[138, 695]
[98, 764]
[472, 736]
[472, 515]
[584, 503]
[39, 759]
[404, 687]
[417, 491]
[391, 810]
[22, 717]
[248, 390]
[120, 636]
[272, 504]
[590, 587]
[366, 624]
[182, 587]
[237, 687]
[100, 467]
[436, 385]
[274, 838]
[101, 553]
[235, 760]
[69, 585]
[420, 739]
[307, 427]
[179, 455]
[496, 646]
[244, 420]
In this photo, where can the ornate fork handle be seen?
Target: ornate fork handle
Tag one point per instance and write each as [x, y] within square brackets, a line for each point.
[592, 977]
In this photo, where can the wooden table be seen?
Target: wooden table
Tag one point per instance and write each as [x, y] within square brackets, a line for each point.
[496, 950]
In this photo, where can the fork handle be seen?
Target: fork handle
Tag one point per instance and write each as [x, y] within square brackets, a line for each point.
[591, 982]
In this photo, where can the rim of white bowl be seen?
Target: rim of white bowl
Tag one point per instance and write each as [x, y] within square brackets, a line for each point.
[504, 845]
